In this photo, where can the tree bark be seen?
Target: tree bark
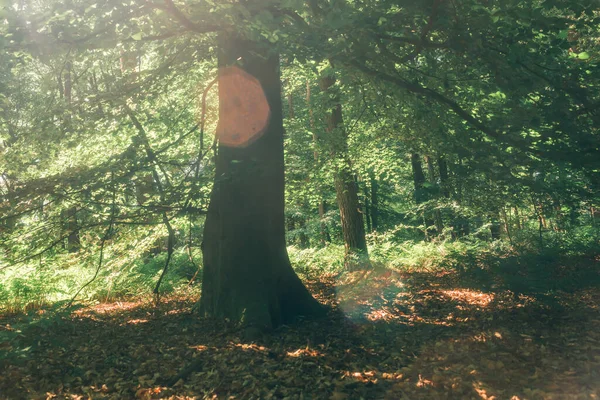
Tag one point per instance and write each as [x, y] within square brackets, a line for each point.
[353, 228]
[325, 237]
[247, 273]
[71, 224]
[444, 182]
[368, 210]
[495, 227]
[374, 202]
[421, 195]
[439, 223]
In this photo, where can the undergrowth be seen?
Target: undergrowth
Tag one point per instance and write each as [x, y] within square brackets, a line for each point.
[526, 265]
[29, 286]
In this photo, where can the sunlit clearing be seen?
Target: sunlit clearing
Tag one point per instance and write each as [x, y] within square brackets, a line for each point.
[471, 297]
[243, 111]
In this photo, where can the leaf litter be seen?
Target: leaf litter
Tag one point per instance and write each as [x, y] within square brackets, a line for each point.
[388, 336]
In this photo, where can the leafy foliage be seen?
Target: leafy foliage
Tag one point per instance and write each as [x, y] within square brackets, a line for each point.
[471, 132]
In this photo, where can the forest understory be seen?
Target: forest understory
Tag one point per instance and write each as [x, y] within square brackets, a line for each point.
[178, 178]
[389, 335]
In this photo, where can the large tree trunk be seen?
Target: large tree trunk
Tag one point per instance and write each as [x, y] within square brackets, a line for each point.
[247, 273]
[346, 190]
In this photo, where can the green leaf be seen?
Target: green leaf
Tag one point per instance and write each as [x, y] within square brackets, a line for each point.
[583, 56]
[137, 36]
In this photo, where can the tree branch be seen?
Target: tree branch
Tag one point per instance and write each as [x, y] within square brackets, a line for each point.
[418, 89]
[183, 20]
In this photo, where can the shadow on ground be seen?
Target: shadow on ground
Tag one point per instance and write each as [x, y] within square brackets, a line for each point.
[388, 336]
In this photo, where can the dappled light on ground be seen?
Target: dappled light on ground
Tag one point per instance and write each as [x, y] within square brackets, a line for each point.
[306, 352]
[389, 336]
[471, 297]
[109, 308]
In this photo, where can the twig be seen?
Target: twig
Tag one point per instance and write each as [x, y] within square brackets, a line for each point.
[170, 245]
[189, 249]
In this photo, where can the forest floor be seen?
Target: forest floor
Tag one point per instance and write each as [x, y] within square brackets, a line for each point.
[390, 335]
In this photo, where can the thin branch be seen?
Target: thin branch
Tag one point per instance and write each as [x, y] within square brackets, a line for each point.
[152, 156]
[418, 89]
[102, 243]
[202, 123]
[413, 41]
[170, 245]
[170, 7]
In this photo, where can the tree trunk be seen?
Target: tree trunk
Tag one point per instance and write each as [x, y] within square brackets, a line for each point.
[421, 195]
[507, 227]
[518, 218]
[374, 202]
[439, 224]
[71, 224]
[325, 237]
[495, 227]
[346, 190]
[247, 273]
[368, 211]
[444, 183]
[302, 236]
[461, 225]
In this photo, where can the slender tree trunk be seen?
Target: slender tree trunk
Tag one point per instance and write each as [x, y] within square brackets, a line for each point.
[560, 218]
[444, 181]
[346, 190]
[247, 273]
[447, 193]
[507, 228]
[70, 215]
[374, 202]
[461, 223]
[541, 221]
[368, 212]
[324, 237]
[439, 224]
[420, 194]
[518, 218]
[290, 101]
[495, 225]
[302, 236]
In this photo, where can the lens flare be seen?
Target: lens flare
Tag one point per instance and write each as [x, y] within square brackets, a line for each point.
[243, 108]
